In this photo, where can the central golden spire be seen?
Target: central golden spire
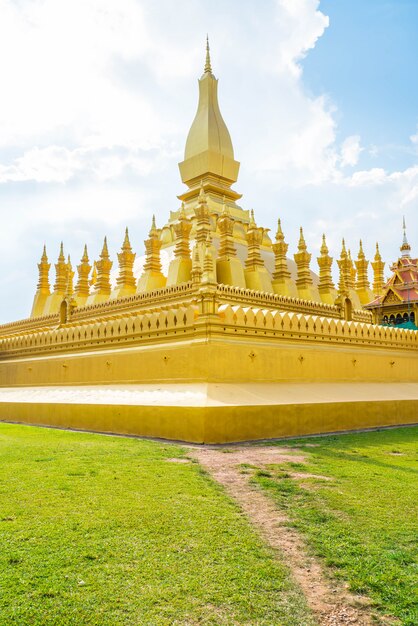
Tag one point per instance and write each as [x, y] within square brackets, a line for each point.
[209, 155]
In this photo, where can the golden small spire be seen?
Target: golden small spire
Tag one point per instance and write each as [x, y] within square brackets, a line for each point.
[201, 211]
[82, 286]
[302, 243]
[154, 231]
[324, 248]
[61, 273]
[85, 257]
[182, 231]
[125, 282]
[227, 248]
[196, 268]
[302, 260]
[182, 214]
[280, 247]
[254, 240]
[362, 280]
[351, 272]
[208, 274]
[104, 266]
[126, 243]
[43, 267]
[105, 252]
[378, 273]
[61, 256]
[208, 66]
[279, 232]
[152, 248]
[70, 276]
[325, 285]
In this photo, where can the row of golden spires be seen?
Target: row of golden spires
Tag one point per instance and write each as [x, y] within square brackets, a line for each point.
[208, 263]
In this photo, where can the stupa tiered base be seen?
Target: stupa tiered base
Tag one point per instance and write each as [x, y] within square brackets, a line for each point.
[215, 412]
[210, 372]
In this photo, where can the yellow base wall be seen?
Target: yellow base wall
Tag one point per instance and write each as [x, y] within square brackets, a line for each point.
[216, 424]
[215, 360]
[262, 374]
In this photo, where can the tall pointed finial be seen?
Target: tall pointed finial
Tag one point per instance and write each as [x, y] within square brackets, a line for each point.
[302, 242]
[70, 276]
[126, 243]
[196, 267]
[182, 214]
[405, 247]
[378, 269]
[85, 257]
[153, 230]
[208, 66]
[105, 251]
[82, 288]
[104, 265]
[326, 285]
[125, 282]
[324, 248]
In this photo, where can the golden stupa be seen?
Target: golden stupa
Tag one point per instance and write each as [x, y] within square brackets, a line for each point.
[233, 342]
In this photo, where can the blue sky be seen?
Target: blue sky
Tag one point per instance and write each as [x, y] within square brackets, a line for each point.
[366, 61]
[98, 96]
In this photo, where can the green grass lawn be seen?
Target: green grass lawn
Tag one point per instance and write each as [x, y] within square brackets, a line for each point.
[363, 522]
[104, 530]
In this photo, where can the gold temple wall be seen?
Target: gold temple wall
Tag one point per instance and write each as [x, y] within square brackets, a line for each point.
[297, 374]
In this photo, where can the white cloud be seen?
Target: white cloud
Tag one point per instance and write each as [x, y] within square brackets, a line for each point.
[299, 25]
[350, 150]
[59, 165]
[375, 176]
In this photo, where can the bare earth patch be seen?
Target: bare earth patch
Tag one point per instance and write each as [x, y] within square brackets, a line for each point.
[330, 601]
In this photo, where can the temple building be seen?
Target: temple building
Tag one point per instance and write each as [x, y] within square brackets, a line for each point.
[397, 304]
[232, 340]
[209, 216]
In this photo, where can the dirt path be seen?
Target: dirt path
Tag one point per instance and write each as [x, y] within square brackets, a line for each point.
[331, 603]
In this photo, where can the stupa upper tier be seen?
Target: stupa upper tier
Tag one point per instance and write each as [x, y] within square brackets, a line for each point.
[209, 155]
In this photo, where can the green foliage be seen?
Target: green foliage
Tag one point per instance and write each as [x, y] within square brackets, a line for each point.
[106, 530]
[364, 522]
